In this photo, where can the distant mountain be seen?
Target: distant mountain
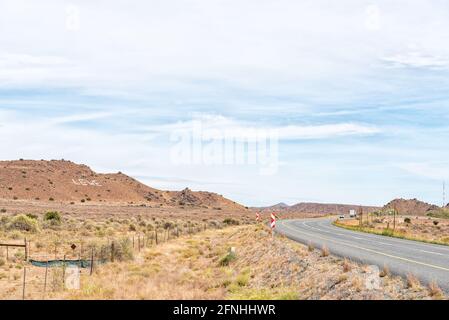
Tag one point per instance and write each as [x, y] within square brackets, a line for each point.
[65, 181]
[411, 207]
[315, 208]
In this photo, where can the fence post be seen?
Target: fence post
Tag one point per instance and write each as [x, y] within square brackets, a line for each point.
[133, 243]
[7, 253]
[138, 241]
[92, 262]
[45, 279]
[63, 274]
[168, 233]
[155, 232]
[112, 251]
[26, 250]
[24, 282]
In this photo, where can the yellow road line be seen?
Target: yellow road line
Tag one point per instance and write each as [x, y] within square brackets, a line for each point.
[369, 250]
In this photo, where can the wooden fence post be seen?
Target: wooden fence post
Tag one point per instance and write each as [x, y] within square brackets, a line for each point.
[63, 274]
[133, 243]
[26, 250]
[92, 262]
[155, 232]
[112, 251]
[24, 282]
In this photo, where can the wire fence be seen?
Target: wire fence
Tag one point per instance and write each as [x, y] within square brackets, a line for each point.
[44, 272]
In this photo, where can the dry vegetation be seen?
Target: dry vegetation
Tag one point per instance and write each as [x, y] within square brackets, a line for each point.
[232, 262]
[428, 229]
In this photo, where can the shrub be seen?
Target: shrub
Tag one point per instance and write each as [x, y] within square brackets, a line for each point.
[51, 199]
[231, 222]
[24, 223]
[435, 222]
[228, 258]
[407, 220]
[434, 290]
[310, 246]
[412, 281]
[346, 265]
[324, 251]
[32, 216]
[3, 210]
[384, 272]
[52, 216]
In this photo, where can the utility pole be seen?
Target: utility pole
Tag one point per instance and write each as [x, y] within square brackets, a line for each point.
[361, 216]
[394, 218]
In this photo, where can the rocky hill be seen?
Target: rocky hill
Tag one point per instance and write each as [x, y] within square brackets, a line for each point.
[65, 181]
[411, 207]
[315, 208]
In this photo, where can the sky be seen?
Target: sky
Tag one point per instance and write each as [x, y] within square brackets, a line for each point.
[353, 95]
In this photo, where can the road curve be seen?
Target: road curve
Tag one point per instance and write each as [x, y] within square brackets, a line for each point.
[429, 262]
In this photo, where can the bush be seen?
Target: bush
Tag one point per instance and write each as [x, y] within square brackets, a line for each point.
[407, 220]
[227, 259]
[24, 223]
[52, 216]
[231, 222]
[435, 222]
[32, 216]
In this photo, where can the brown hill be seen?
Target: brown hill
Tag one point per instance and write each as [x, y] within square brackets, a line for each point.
[410, 207]
[65, 181]
[315, 208]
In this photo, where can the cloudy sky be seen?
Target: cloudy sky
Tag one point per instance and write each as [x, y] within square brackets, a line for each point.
[356, 91]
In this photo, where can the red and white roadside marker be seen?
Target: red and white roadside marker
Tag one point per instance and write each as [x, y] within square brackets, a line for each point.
[258, 217]
[273, 223]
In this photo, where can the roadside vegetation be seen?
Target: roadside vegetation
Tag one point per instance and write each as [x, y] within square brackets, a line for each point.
[429, 229]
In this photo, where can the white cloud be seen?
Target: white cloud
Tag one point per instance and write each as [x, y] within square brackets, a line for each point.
[417, 60]
[217, 126]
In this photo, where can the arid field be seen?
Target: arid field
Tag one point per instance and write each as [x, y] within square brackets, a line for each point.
[199, 254]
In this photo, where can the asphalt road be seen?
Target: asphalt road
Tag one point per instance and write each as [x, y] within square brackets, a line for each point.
[429, 262]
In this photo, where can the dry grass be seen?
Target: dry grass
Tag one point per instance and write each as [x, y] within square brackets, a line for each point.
[200, 264]
[413, 281]
[384, 272]
[324, 251]
[310, 246]
[434, 290]
[346, 265]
